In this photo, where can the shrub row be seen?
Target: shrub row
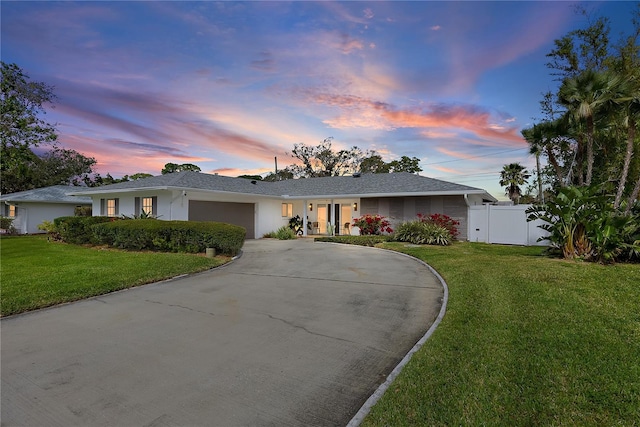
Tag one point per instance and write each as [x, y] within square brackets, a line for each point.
[165, 236]
[77, 229]
[367, 240]
[171, 236]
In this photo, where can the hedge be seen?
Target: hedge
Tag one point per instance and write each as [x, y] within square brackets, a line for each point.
[171, 236]
[77, 229]
[368, 240]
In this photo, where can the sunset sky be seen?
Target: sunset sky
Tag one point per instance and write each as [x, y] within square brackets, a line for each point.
[230, 85]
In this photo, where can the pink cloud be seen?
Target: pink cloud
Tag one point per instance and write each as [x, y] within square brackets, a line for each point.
[455, 154]
[356, 111]
[446, 170]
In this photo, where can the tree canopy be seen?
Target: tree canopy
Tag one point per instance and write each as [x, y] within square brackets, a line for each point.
[588, 133]
[22, 129]
[174, 167]
[512, 177]
[322, 160]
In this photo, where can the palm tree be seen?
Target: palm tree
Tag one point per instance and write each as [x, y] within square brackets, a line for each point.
[512, 177]
[586, 95]
[549, 138]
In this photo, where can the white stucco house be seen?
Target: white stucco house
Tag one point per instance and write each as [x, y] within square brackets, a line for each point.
[262, 207]
[32, 207]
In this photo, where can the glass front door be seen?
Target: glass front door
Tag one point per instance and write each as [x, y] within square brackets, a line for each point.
[322, 219]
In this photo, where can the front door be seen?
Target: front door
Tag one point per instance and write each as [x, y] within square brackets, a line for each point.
[322, 219]
[345, 219]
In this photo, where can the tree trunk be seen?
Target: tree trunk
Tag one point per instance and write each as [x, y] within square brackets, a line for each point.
[633, 197]
[590, 135]
[540, 194]
[627, 162]
[556, 166]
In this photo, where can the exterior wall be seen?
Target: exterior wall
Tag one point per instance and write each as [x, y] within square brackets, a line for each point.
[30, 215]
[401, 209]
[174, 205]
[504, 225]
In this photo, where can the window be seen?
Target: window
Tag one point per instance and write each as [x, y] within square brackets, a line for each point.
[287, 210]
[147, 205]
[112, 207]
[12, 211]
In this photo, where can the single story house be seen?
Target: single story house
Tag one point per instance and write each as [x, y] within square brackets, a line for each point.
[262, 207]
[32, 207]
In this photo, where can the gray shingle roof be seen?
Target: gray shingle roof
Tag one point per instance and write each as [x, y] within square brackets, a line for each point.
[390, 184]
[53, 194]
[187, 180]
[401, 183]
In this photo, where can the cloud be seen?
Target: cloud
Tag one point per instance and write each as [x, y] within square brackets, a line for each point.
[265, 63]
[431, 119]
[349, 45]
[455, 154]
[435, 28]
[446, 170]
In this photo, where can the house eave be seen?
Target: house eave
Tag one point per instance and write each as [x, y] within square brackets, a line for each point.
[17, 202]
[168, 188]
[482, 193]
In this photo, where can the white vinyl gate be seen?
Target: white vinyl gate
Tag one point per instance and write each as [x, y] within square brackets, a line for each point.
[504, 225]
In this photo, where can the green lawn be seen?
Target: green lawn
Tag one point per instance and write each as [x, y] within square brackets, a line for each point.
[36, 273]
[526, 340]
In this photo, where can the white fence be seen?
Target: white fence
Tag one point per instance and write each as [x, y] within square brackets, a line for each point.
[504, 225]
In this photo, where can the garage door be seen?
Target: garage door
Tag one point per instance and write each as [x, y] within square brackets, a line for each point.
[232, 213]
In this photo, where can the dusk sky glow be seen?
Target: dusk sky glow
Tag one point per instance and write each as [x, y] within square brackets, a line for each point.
[229, 85]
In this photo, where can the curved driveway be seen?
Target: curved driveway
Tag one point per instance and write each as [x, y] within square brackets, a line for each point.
[292, 333]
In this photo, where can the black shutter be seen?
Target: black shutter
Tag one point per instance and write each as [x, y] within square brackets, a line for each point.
[136, 206]
[154, 206]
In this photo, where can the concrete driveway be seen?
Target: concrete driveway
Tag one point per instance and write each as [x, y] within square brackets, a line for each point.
[293, 333]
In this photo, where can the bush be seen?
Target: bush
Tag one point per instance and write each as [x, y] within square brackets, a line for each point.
[372, 224]
[443, 221]
[7, 224]
[423, 233]
[77, 229]
[285, 233]
[582, 223]
[366, 240]
[172, 236]
[295, 224]
[82, 211]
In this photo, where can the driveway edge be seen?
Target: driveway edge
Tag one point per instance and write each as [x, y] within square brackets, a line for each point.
[373, 399]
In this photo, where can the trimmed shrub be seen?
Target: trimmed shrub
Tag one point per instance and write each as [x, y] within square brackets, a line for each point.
[367, 240]
[172, 236]
[286, 233]
[423, 233]
[77, 229]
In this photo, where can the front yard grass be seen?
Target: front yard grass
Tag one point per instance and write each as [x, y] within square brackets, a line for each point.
[37, 273]
[526, 340]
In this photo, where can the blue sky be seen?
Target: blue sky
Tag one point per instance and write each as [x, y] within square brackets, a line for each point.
[230, 85]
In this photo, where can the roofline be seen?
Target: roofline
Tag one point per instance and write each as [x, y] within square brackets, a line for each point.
[404, 194]
[288, 197]
[66, 202]
[167, 188]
